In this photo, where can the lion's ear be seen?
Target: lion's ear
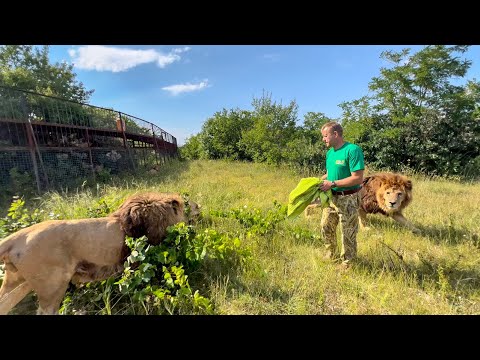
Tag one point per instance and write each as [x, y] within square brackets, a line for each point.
[408, 185]
[130, 218]
[176, 206]
[133, 222]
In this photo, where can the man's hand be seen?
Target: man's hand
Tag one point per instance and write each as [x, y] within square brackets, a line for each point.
[326, 185]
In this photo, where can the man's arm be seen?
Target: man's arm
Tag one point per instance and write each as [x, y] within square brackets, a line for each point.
[324, 176]
[356, 178]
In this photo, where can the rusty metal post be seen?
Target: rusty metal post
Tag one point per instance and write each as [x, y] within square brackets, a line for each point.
[156, 145]
[31, 147]
[166, 154]
[32, 142]
[121, 127]
[125, 144]
[90, 155]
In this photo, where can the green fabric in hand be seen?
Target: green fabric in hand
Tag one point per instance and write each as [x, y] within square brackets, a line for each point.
[304, 193]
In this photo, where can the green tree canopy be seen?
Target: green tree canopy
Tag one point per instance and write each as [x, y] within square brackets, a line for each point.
[221, 134]
[418, 114]
[193, 148]
[27, 67]
[274, 126]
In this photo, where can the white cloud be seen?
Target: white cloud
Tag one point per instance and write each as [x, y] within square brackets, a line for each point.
[272, 57]
[104, 58]
[180, 50]
[188, 87]
[164, 60]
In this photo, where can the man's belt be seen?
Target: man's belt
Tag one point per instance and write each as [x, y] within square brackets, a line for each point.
[345, 192]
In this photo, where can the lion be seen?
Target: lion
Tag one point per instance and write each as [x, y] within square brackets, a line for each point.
[310, 210]
[47, 256]
[384, 193]
[387, 194]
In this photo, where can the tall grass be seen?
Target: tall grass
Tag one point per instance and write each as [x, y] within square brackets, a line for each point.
[397, 272]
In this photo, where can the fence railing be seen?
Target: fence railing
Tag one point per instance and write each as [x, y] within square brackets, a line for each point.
[24, 105]
[47, 142]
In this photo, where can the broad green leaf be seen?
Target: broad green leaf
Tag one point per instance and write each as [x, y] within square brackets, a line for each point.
[304, 193]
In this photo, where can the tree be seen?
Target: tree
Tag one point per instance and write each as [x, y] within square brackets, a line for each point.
[27, 67]
[274, 126]
[416, 116]
[192, 149]
[221, 134]
[312, 123]
[307, 149]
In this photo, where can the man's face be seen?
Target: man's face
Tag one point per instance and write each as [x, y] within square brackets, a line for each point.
[329, 137]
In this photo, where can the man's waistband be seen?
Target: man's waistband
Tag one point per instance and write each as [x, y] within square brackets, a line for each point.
[346, 192]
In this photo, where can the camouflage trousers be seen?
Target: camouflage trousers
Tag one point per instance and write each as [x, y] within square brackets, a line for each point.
[345, 209]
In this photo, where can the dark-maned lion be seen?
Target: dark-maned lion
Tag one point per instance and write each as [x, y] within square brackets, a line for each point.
[45, 257]
[387, 194]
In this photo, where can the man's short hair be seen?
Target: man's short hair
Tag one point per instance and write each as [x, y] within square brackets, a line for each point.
[333, 126]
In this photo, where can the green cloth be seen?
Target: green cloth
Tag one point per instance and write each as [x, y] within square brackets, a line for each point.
[304, 193]
[342, 162]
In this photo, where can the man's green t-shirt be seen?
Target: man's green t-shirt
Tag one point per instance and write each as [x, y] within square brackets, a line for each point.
[342, 162]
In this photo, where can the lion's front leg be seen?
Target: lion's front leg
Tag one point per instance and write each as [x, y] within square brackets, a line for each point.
[50, 304]
[51, 289]
[362, 217]
[402, 220]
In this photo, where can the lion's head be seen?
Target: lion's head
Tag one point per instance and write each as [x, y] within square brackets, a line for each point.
[150, 214]
[394, 192]
[192, 210]
[195, 213]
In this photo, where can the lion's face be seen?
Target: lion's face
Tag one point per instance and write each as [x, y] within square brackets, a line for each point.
[393, 197]
[386, 193]
[193, 214]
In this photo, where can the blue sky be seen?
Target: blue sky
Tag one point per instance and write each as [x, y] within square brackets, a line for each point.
[179, 87]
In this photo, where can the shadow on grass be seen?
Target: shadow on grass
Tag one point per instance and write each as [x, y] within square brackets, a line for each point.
[172, 170]
[258, 290]
[378, 221]
[449, 235]
[437, 270]
[443, 234]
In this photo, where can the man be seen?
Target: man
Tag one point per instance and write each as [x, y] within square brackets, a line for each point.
[345, 167]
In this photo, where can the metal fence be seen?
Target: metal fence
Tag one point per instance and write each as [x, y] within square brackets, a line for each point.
[49, 143]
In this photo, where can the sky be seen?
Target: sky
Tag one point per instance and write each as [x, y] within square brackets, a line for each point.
[179, 87]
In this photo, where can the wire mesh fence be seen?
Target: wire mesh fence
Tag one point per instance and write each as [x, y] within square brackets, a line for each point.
[49, 143]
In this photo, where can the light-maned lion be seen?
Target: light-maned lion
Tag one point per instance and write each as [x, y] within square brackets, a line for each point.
[312, 208]
[387, 194]
[46, 256]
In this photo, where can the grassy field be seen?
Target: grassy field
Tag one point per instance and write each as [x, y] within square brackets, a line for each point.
[397, 272]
